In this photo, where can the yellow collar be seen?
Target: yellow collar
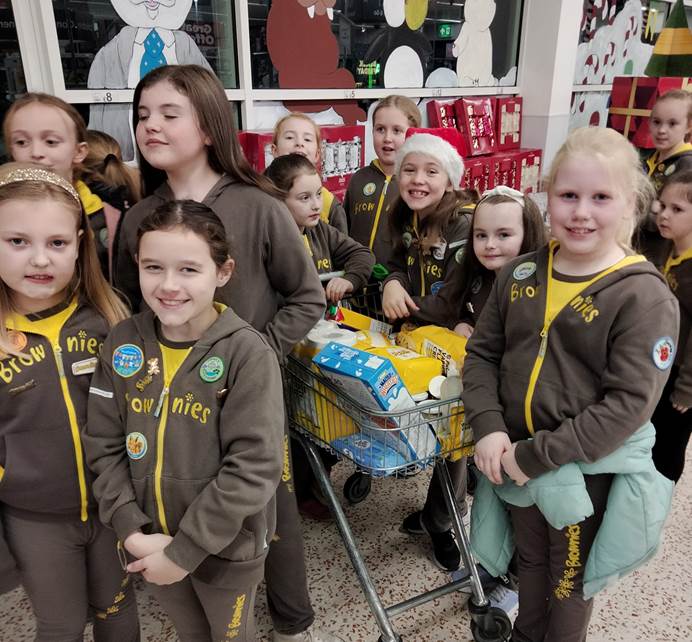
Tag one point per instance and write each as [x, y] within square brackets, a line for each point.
[673, 261]
[90, 201]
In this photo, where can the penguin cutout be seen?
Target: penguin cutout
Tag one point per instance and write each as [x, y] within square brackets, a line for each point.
[151, 38]
[305, 52]
[402, 50]
[474, 46]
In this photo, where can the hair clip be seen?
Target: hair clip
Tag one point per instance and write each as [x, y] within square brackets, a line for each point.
[503, 190]
[27, 173]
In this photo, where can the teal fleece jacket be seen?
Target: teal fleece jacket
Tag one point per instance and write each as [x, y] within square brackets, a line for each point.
[638, 504]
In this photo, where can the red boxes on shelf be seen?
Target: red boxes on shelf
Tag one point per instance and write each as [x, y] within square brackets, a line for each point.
[258, 148]
[476, 122]
[441, 114]
[476, 173]
[504, 169]
[342, 155]
[631, 101]
[508, 110]
[529, 169]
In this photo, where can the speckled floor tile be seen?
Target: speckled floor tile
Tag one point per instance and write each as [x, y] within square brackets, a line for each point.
[653, 604]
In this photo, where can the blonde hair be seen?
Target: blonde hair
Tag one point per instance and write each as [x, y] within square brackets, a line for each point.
[405, 105]
[88, 282]
[621, 159]
[300, 115]
[104, 163]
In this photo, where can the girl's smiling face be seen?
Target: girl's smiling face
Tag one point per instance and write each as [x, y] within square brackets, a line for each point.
[422, 182]
[297, 136]
[498, 233]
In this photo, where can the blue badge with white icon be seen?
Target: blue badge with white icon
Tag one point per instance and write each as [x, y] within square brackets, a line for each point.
[127, 360]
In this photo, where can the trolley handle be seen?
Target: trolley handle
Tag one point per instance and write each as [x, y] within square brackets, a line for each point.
[328, 276]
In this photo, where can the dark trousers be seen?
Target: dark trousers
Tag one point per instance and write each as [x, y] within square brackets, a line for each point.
[284, 570]
[436, 517]
[205, 613]
[68, 569]
[551, 567]
[672, 433]
[303, 478]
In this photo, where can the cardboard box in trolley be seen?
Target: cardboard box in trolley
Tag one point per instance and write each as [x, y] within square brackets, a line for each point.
[373, 382]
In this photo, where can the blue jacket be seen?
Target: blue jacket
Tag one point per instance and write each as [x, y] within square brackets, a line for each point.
[638, 504]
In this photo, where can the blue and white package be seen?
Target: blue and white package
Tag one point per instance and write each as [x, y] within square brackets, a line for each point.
[373, 382]
[370, 452]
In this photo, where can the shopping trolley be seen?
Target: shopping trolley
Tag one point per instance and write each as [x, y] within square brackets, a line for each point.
[379, 444]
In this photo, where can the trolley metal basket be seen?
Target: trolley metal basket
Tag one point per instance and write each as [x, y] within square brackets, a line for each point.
[381, 443]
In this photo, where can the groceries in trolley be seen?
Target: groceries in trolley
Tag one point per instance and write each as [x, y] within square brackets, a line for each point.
[398, 430]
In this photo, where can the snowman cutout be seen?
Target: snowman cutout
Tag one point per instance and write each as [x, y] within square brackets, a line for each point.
[150, 39]
[474, 46]
[402, 49]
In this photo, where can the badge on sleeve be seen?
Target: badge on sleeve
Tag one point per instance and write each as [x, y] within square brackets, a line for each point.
[524, 270]
[436, 287]
[127, 360]
[136, 444]
[211, 370]
[663, 353]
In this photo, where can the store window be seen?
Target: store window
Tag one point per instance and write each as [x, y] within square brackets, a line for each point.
[12, 82]
[369, 43]
[110, 43]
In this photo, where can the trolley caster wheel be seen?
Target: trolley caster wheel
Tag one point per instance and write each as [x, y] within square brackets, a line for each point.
[494, 626]
[398, 638]
[357, 488]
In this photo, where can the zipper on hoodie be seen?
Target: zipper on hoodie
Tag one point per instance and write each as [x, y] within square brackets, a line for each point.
[162, 412]
[378, 212]
[74, 430]
[547, 322]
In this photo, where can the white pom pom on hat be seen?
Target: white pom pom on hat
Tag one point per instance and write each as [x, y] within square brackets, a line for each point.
[439, 143]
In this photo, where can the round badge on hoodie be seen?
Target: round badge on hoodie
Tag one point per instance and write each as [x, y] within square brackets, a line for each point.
[663, 353]
[127, 360]
[369, 189]
[211, 370]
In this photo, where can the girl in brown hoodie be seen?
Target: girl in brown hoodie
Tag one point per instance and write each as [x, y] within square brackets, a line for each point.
[567, 360]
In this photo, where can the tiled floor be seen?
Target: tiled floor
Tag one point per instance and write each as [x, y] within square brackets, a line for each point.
[654, 604]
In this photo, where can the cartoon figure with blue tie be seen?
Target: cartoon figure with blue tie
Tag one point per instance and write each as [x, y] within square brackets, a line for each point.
[151, 38]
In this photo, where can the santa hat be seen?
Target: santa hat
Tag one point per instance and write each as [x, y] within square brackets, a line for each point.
[672, 55]
[443, 144]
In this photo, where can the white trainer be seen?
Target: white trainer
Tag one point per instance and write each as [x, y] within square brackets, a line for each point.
[313, 634]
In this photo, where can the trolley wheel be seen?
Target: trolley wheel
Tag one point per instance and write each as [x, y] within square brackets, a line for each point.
[499, 629]
[398, 638]
[357, 488]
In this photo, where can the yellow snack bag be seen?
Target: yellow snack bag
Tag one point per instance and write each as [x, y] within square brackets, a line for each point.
[456, 438]
[358, 321]
[434, 341]
[415, 370]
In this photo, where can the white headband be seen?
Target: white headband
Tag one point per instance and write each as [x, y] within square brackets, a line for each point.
[503, 190]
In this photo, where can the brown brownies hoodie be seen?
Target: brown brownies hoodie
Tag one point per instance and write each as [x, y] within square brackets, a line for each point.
[678, 274]
[274, 286]
[332, 250]
[432, 276]
[575, 391]
[198, 457]
[43, 404]
[368, 201]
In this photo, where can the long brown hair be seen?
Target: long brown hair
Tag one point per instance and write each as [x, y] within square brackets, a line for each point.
[284, 170]
[435, 224]
[215, 118]
[535, 236]
[88, 282]
[104, 163]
